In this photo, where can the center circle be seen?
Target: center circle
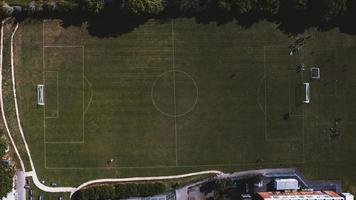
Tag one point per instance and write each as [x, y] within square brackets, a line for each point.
[174, 93]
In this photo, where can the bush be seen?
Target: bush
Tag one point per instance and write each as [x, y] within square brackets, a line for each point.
[142, 7]
[6, 175]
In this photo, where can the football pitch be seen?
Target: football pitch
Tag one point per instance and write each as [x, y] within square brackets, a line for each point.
[178, 96]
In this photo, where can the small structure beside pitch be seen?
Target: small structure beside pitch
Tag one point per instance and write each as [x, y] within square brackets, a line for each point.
[315, 73]
[40, 95]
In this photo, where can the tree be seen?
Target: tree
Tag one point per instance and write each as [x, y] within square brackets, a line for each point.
[243, 6]
[255, 6]
[3, 147]
[298, 5]
[331, 9]
[194, 6]
[65, 7]
[221, 185]
[93, 7]
[142, 7]
[6, 175]
[223, 5]
[270, 7]
[5, 9]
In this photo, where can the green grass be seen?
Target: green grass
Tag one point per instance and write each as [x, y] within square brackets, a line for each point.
[230, 89]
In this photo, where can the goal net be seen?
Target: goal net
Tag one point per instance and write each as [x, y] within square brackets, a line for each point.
[40, 96]
[306, 92]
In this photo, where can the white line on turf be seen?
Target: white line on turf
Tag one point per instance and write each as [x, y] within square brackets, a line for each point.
[57, 95]
[83, 109]
[65, 142]
[266, 118]
[173, 166]
[258, 93]
[91, 95]
[174, 93]
[83, 95]
[44, 82]
[63, 46]
[264, 67]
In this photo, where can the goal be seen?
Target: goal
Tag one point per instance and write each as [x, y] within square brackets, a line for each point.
[40, 96]
[306, 92]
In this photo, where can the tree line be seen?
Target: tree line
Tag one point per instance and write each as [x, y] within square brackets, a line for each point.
[323, 10]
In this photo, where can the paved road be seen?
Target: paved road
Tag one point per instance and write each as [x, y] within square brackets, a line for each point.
[20, 185]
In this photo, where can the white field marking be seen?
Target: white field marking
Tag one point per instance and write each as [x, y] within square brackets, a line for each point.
[57, 104]
[289, 99]
[33, 173]
[137, 76]
[258, 93]
[63, 46]
[195, 100]
[44, 80]
[174, 93]
[264, 66]
[266, 132]
[289, 85]
[83, 125]
[303, 137]
[151, 68]
[91, 95]
[1, 97]
[72, 190]
[302, 116]
[65, 142]
[173, 166]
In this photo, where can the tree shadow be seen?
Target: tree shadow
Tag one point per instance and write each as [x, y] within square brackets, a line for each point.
[113, 25]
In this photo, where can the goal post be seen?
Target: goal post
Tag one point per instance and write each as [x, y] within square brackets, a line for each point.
[307, 93]
[40, 95]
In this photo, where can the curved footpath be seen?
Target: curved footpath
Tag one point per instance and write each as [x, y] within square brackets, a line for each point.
[156, 178]
[33, 173]
[1, 97]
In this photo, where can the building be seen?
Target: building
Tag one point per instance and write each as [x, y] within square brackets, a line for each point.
[347, 196]
[301, 195]
[286, 184]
